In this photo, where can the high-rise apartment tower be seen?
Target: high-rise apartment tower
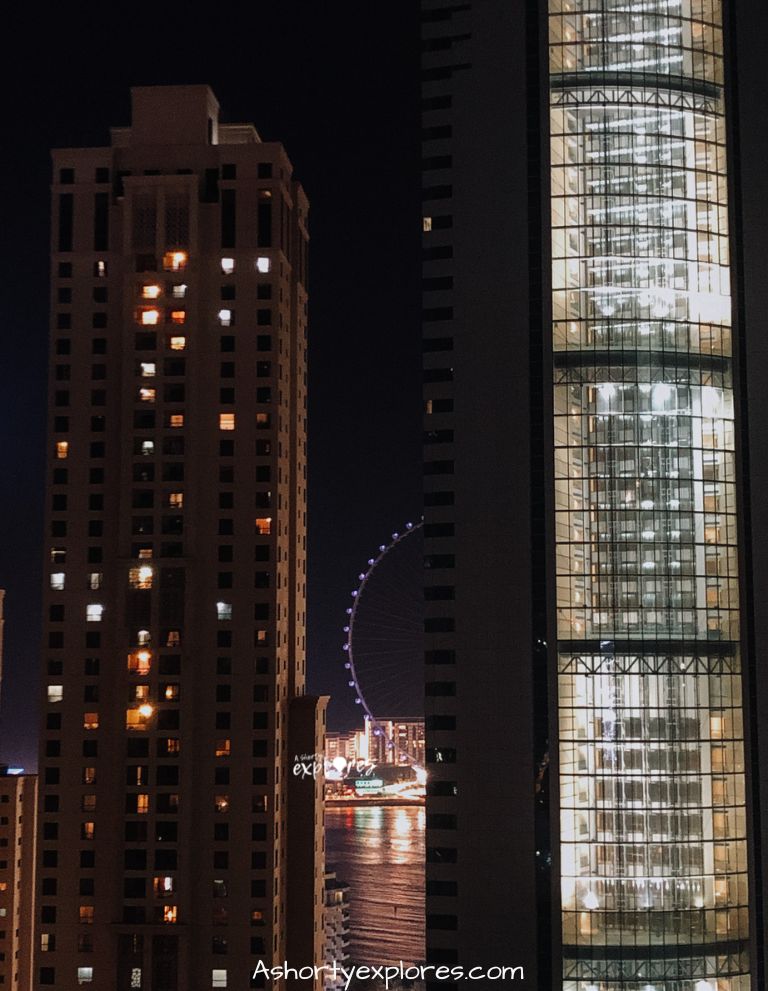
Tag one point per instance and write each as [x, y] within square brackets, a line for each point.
[175, 561]
[593, 315]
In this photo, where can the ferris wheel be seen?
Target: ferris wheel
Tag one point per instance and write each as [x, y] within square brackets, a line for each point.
[384, 631]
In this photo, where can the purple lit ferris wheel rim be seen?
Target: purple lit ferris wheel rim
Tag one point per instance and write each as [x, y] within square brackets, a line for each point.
[364, 577]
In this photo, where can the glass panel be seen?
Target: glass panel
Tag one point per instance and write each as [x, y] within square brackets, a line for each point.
[653, 825]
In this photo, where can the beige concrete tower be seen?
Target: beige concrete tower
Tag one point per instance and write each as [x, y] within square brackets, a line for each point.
[18, 807]
[175, 555]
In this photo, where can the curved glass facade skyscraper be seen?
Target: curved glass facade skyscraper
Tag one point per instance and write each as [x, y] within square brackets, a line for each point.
[595, 208]
[653, 848]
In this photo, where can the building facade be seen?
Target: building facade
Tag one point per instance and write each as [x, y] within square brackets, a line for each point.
[592, 584]
[401, 741]
[336, 928]
[18, 821]
[174, 653]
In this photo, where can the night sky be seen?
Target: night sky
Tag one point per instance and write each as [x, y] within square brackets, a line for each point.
[337, 83]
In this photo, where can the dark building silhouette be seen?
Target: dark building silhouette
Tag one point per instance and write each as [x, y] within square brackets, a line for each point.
[174, 654]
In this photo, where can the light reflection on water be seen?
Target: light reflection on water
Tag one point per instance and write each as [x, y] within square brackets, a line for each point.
[379, 852]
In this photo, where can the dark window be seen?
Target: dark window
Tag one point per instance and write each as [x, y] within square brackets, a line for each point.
[101, 222]
[264, 222]
[439, 593]
[438, 467]
[440, 657]
[440, 688]
[228, 215]
[437, 313]
[439, 499]
[438, 343]
[438, 529]
[66, 218]
[441, 789]
[437, 192]
[436, 161]
[438, 253]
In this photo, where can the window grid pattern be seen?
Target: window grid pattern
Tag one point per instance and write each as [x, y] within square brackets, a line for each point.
[653, 823]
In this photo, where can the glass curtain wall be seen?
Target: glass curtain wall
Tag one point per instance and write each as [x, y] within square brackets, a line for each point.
[653, 824]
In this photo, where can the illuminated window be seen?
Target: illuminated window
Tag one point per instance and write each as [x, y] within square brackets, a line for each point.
[264, 525]
[136, 718]
[88, 803]
[225, 318]
[262, 636]
[141, 576]
[100, 269]
[426, 224]
[151, 292]
[177, 343]
[138, 693]
[173, 639]
[176, 420]
[89, 775]
[176, 500]
[135, 977]
[47, 942]
[62, 449]
[147, 448]
[145, 554]
[57, 581]
[178, 316]
[179, 291]
[257, 917]
[142, 804]
[84, 974]
[93, 612]
[163, 886]
[263, 264]
[90, 720]
[221, 803]
[95, 579]
[218, 978]
[227, 265]
[148, 369]
[58, 555]
[175, 261]
[170, 914]
[263, 420]
[143, 637]
[224, 610]
[172, 746]
[226, 421]
[147, 395]
[87, 830]
[55, 693]
[171, 692]
[149, 317]
[223, 748]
